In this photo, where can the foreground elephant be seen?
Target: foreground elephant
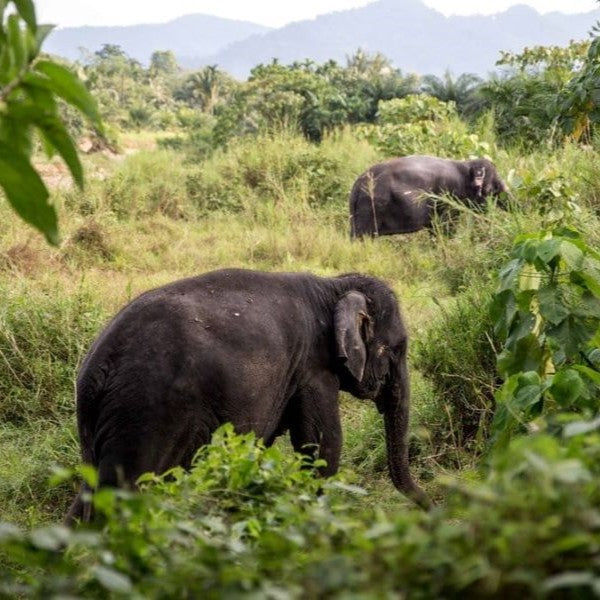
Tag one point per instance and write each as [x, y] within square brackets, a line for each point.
[268, 352]
[391, 197]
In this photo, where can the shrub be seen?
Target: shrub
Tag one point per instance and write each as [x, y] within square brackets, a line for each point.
[422, 125]
[145, 184]
[252, 521]
[415, 108]
[457, 354]
[275, 168]
[547, 312]
[43, 335]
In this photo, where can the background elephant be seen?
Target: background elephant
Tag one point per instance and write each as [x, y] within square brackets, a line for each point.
[391, 197]
[267, 352]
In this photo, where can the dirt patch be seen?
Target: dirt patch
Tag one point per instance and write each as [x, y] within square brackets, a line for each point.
[24, 259]
[55, 174]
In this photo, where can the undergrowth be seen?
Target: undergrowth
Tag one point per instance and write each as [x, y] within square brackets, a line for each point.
[281, 205]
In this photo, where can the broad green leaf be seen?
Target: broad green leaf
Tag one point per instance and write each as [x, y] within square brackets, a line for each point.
[52, 538]
[42, 32]
[571, 254]
[509, 274]
[527, 396]
[588, 307]
[66, 84]
[16, 41]
[591, 374]
[567, 386]
[522, 326]
[571, 334]
[551, 304]
[52, 129]
[27, 193]
[26, 9]
[526, 356]
[581, 427]
[548, 250]
[590, 274]
[528, 250]
[503, 309]
[60, 475]
[56, 134]
[36, 87]
[89, 475]
[112, 580]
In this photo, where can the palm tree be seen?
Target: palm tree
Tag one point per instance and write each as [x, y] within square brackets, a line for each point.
[460, 90]
[204, 87]
[368, 65]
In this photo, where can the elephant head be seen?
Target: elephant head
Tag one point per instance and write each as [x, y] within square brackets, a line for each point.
[372, 347]
[484, 181]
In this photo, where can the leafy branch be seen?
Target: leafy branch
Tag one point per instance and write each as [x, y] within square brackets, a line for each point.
[30, 88]
[547, 308]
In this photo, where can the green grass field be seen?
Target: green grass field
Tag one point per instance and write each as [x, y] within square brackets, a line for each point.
[276, 204]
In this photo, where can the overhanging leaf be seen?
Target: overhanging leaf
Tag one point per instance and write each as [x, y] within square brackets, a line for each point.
[65, 84]
[55, 133]
[27, 193]
[52, 130]
[26, 9]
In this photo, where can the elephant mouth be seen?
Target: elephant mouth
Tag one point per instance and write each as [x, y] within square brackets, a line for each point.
[370, 390]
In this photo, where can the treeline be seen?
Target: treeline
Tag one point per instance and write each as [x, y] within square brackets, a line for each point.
[540, 95]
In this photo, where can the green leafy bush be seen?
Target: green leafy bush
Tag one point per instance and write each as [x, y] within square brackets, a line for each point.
[578, 103]
[415, 108]
[146, 183]
[549, 193]
[421, 124]
[273, 168]
[252, 521]
[457, 354]
[548, 310]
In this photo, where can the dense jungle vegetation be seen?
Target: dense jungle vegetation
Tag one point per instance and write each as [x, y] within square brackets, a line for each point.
[188, 172]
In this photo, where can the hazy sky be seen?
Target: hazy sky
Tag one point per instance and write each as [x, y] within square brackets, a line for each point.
[267, 12]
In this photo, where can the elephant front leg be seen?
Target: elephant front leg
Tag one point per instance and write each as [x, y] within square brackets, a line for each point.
[315, 426]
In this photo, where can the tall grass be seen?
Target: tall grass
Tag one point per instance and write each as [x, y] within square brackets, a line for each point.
[270, 203]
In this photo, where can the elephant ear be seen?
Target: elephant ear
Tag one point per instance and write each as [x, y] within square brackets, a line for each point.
[353, 328]
[478, 177]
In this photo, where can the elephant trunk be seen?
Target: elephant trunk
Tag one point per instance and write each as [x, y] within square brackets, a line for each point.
[395, 404]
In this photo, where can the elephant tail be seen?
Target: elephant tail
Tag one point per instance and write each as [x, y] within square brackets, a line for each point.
[89, 392]
[81, 509]
[363, 200]
[353, 205]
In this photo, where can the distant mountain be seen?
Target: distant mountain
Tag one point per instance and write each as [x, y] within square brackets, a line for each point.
[190, 38]
[417, 38]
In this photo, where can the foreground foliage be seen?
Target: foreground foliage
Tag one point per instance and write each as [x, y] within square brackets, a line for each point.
[548, 310]
[30, 88]
[252, 520]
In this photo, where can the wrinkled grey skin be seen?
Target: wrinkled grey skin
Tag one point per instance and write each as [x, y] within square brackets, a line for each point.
[391, 197]
[268, 352]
